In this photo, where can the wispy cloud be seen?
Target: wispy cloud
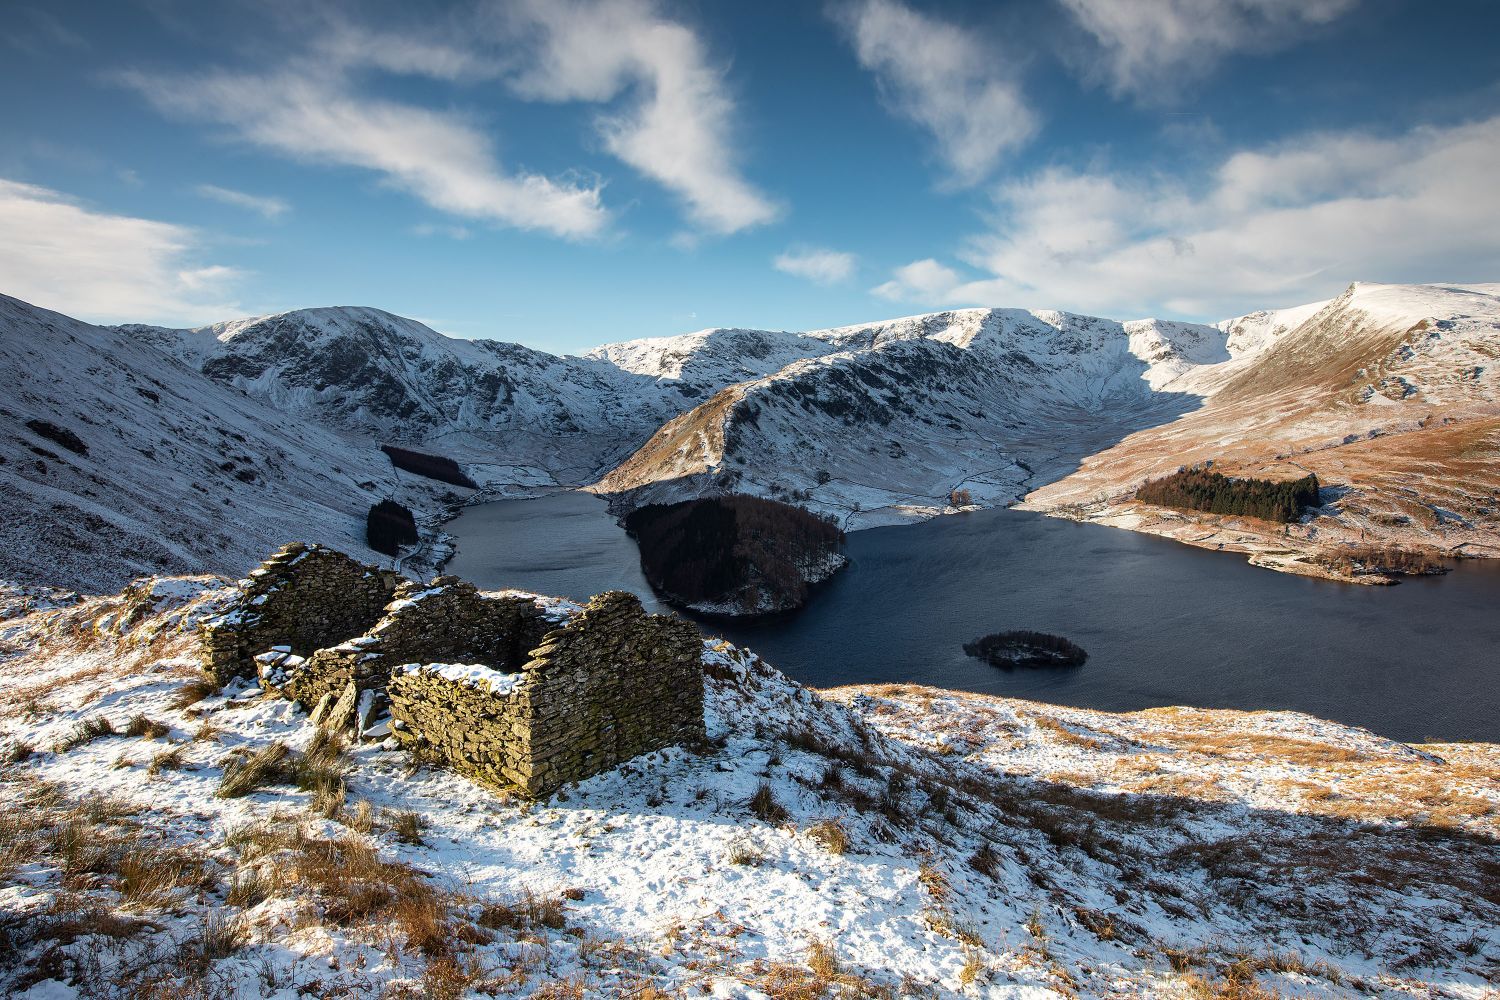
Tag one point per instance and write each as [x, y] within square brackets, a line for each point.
[825, 267]
[268, 206]
[58, 253]
[1153, 48]
[1274, 226]
[311, 111]
[427, 229]
[673, 120]
[38, 31]
[677, 127]
[951, 82]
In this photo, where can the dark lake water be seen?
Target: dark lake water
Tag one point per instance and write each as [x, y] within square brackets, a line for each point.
[1164, 623]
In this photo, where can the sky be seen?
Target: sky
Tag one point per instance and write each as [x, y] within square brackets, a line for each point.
[566, 173]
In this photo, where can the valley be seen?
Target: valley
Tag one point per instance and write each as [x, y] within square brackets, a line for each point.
[1387, 393]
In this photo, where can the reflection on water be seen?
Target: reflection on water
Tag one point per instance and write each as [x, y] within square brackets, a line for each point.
[1164, 624]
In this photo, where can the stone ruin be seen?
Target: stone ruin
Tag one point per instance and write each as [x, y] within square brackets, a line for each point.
[502, 687]
[304, 597]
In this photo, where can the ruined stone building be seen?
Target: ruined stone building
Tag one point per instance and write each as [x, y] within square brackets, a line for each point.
[506, 688]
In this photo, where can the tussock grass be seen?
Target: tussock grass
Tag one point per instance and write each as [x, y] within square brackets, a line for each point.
[987, 861]
[407, 826]
[764, 805]
[743, 851]
[362, 819]
[16, 752]
[1101, 925]
[150, 729]
[84, 733]
[321, 769]
[167, 760]
[822, 975]
[153, 877]
[218, 937]
[267, 766]
[248, 888]
[529, 911]
[975, 969]
[936, 882]
[194, 691]
[831, 834]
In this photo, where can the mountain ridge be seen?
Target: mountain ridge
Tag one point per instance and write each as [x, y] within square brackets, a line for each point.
[873, 423]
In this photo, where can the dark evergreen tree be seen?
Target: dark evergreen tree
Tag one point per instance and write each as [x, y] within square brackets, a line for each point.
[1200, 489]
[705, 551]
[390, 526]
[444, 470]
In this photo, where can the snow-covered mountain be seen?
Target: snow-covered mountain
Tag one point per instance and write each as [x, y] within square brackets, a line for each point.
[1389, 393]
[118, 459]
[512, 412]
[878, 420]
[205, 446]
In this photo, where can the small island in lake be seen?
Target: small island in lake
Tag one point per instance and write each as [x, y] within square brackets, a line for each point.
[735, 555]
[1026, 649]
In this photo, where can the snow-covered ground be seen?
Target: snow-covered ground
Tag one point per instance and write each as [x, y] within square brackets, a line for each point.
[875, 842]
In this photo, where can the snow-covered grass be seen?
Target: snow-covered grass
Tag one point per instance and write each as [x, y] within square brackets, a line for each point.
[879, 842]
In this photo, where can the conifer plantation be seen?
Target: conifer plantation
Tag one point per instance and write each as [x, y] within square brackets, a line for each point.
[705, 550]
[1200, 489]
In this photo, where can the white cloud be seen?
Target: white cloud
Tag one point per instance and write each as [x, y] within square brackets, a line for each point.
[950, 81]
[674, 124]
[59, 254]
[825, 267]
[312, 114]
[268, 206]
[1152, 48]
[677, 127]
[1288, 224]
[920, 281]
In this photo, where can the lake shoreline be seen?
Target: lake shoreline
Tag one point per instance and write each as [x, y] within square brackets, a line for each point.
[1165, 623]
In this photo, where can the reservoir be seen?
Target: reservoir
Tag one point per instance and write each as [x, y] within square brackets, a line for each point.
[1164, 623]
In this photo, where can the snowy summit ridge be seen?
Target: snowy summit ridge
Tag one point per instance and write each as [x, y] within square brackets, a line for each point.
[873, 423]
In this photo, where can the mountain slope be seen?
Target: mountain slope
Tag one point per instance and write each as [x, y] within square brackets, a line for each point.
[513, 412]
[889, 840]
[204, 446]
[1389, 393]
[168, 470]
[898, 414]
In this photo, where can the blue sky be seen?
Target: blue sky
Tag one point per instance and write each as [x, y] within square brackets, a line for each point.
[569, 172]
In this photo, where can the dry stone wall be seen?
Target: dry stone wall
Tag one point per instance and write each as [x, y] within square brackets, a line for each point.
[611, 684]
[468, 717]
[446, 619]
[304, 597]
[496, 686]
